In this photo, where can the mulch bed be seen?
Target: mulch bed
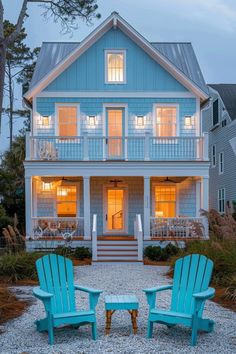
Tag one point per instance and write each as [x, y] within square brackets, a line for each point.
[10, 306]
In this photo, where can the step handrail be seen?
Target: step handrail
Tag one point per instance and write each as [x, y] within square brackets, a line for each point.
[138, 235]
[94, 239]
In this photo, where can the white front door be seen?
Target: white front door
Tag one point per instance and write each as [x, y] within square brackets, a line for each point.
[115, 210]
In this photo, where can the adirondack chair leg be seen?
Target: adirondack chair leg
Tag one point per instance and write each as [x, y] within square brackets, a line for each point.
[94, 330]
[50, 330]
[194, 331]
[150, 329]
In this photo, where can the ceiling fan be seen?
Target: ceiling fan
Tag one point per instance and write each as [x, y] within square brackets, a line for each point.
[167, 179]
[115, 181]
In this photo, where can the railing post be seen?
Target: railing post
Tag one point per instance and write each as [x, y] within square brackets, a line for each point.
[147, 147]
[205, 147]
[94, 238]
[86, 147]
[206, 227]
[139, 237]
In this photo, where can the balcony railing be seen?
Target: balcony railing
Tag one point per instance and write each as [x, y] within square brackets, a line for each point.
[130, 148]
[67, 228]
[179, 228]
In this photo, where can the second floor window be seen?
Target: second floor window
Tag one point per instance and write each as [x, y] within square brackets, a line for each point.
[115, 66]
[166, 121]
[215, 112]
[221, 163]
[67, 120]
[213, 156]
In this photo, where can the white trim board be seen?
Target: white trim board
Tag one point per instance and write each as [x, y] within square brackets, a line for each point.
[117, 94]
[114, 20]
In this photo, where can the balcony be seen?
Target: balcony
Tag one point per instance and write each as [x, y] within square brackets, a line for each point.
[129, 148]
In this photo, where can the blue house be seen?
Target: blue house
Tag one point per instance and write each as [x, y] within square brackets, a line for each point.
[116, 158]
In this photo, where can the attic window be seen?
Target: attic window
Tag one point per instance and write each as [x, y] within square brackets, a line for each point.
[115, 66]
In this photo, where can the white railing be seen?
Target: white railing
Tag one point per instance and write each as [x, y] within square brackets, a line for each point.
[179, 228]
[57, 227]
[138, 235]
[130, 148]
[94, 238]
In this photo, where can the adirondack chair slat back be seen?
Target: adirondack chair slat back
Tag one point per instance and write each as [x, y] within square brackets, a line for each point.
[56, 276]
[192, 274]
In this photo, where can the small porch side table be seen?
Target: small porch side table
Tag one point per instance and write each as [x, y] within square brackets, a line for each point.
[121, 302]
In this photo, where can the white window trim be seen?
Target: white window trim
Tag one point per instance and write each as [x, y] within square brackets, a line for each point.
[218, 199]
[71, 104]
[213, 164]
[223, 167]
[155, 184]
[114, 51]
[159, 105]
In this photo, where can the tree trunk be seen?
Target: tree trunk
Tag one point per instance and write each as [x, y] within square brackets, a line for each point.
[11, 103]
[2, 76]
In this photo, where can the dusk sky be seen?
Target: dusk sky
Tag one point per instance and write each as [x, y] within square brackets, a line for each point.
[209, 24]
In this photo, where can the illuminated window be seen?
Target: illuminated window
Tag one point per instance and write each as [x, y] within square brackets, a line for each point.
[66, 201]
[166, 121]
[165, 201]
[67, 120]
[115, 66]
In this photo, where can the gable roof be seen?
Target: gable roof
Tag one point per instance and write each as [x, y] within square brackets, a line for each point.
[227, 93]
[177, 58]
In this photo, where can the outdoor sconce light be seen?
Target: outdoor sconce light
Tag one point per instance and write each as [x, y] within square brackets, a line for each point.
[91, 121]
[45, 121]
[46, 186]
[189, 122]
[140, 121]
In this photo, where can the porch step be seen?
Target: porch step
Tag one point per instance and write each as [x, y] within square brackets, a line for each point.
[117, 249]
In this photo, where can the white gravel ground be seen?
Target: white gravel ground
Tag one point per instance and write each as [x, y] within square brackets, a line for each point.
[20, 335]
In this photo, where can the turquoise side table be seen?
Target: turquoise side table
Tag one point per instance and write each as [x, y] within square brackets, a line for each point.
[121, 302]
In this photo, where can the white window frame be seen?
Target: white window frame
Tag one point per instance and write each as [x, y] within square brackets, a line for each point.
[69, 104]
[115, 51]
[160, 105]
[221, 198]
[213, 155]
[221, 163]
[156, 184]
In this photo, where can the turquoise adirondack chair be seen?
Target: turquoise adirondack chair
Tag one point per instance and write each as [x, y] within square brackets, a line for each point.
[57, 291]
[190, 290]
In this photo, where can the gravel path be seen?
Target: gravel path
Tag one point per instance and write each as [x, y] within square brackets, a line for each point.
[20, 335]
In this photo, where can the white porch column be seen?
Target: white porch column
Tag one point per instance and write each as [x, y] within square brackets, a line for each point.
[87, 217]
[146, 214]
[28, 206]
[198, 197]
[205, 193]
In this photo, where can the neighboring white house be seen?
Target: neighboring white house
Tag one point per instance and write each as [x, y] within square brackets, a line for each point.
[219, 119]
[116, 158]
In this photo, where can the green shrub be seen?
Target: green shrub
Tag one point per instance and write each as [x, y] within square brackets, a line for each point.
[64, 251]
[157, 253]
[82, 253]
[20, 266]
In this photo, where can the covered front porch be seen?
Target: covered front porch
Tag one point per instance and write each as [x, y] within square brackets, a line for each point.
[168, 208]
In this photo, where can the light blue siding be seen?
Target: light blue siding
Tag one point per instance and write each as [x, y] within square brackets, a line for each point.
[87, 72]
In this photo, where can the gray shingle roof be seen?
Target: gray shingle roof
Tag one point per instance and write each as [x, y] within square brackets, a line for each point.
[227, 93]
[180, 54]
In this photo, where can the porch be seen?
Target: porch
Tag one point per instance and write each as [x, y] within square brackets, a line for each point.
[82, 210]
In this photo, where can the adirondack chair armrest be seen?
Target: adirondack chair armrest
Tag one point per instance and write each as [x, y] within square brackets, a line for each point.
[204, 295]
[88, 290]
[157, 289]
[93, 295]
[45, 297]
[41, 294]
[151, 294]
